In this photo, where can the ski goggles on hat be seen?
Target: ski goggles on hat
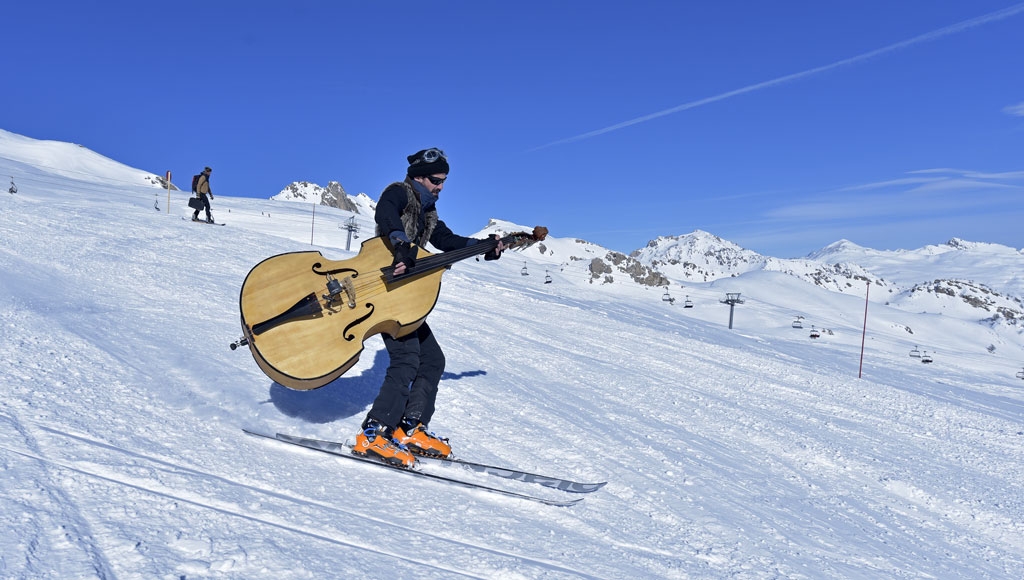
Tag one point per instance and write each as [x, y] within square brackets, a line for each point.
[430, 155]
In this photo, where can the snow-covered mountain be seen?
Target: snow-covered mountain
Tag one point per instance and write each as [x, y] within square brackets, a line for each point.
[948, 273]
[955, 260]
[755, 452]
[332, 196]
[698, 257]
[27, 159]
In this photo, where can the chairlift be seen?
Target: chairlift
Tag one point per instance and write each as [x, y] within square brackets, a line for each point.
[926, 358]
[688, 303]
[1020, 374]
[666, 297]
[814, 332]
[915, 353]
[547, 277]
[524, 272]
[798, 323]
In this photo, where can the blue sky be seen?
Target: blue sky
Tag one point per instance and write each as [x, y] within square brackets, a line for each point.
[780, 126]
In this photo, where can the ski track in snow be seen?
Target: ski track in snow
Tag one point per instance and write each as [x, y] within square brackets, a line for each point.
[176, 483]
[57, 533]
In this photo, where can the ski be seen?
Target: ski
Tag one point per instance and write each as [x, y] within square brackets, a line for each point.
[517, 474]
[559, 483]
[203, 222]
[340, 450]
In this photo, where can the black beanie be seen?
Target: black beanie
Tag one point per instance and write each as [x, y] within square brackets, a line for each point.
[418, 167]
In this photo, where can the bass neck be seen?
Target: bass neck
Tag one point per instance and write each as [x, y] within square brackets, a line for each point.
[435, 262]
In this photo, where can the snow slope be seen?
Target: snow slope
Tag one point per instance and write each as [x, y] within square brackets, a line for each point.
[754, 452]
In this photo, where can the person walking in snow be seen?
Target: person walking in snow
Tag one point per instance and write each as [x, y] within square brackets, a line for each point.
[396, 425]
[202, 190]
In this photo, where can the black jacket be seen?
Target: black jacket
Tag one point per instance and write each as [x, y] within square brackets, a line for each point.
[400, 199]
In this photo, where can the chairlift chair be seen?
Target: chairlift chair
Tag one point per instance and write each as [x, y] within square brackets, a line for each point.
[915, 353]
[547, 277]
[814, 332]
[1020, 374]
[926, 358]
[688, 303]
[666, 297]
[524, 272]
[798, 323]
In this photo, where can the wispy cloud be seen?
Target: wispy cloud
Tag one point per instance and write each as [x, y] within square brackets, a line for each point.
[926, 37]
[891, 214]
[961, 192]
[1015, 110]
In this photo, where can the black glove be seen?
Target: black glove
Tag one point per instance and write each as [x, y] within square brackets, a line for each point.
[493, 254]
[405, 254]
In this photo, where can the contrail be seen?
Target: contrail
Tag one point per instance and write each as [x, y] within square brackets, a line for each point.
[933, 35]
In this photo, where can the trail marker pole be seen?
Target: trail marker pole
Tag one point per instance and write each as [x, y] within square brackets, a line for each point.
[168, 191]
[864, 332]
[311, 223]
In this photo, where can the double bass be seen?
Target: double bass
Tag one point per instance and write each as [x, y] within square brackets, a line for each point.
[305, 318]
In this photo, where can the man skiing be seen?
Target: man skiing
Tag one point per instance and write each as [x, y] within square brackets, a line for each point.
[396, 425]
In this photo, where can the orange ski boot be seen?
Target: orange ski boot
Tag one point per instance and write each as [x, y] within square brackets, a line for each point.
[374, 442]
[422, 442]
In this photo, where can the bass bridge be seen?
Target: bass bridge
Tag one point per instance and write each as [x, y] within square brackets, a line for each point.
[337, 291]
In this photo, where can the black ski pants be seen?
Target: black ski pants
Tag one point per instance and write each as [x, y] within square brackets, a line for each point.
[206, 206]
[410, 385]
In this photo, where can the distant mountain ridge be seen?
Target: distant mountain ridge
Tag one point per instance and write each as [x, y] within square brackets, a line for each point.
[905, 279]
[332, 196]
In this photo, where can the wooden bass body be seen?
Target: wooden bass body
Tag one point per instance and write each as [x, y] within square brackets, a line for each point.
[305, 317]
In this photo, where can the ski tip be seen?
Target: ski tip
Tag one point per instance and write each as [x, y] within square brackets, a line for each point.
[258, 433]
[584, 487]
[562, 502]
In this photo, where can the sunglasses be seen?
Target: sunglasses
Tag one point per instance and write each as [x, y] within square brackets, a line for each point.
[436, 180]
[429, 156]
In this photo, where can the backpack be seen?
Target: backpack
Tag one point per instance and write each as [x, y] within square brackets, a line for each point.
[195, 181]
